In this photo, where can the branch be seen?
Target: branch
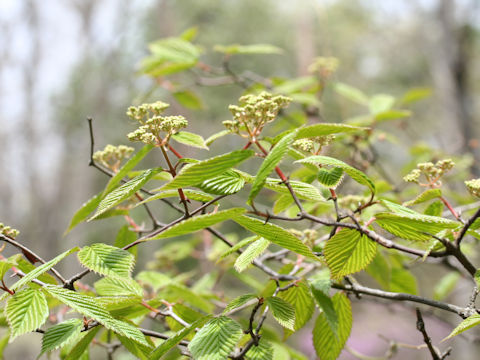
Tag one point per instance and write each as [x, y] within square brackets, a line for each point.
[465, 228]
[426, 338]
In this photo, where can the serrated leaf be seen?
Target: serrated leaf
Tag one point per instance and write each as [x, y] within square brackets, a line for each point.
[139, 351]
[355, 174]
[263, 351]
[191, 139]
[61, 334]
[189, 193]
[351, 93]
[328, 344]
[414, 226]
[126, 168]
[282, 203]
[195, 174]
[7, 264]
[466, 324]
[82, 213]
[301, 299]
[116, 302]
[123, 192]
[26, 311]
[275, 234]
[175, 339]
[107, 260]
[424, 196]
[303, 190]
[26, 266]
[397, 209]
[82, 345]
[320, 287]
[216, 136]
[348, 251]
[238, 302]
[322, 129]
[110, 286]
[189, 100]
[239, 245]
[199, 222]
[330, 177]
[216, 339]
[248, 49]
[269, 163]
[253, 251]
[227, 183]
[282, 311]
[39, 271]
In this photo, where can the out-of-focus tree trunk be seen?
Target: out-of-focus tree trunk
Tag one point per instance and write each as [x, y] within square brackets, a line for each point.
[305, 39]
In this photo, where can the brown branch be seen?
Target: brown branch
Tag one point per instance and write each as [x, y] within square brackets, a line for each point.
[465, 227]
[426, 338]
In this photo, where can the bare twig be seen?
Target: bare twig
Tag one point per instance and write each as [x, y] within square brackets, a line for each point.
[426, 338]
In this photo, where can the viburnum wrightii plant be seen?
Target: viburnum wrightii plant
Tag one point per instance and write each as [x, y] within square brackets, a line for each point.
[264, 237]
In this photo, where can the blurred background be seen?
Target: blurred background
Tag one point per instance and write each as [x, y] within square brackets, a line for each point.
[62, 61]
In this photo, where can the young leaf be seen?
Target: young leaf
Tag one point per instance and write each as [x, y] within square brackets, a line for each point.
[189, 193]
[263, 351]
[301, 299]
[191, 139]
[82, 213]
[124, 238]
[303, 190]
[248, 49]
[190, 100]
[237, 302]
[125, 169]
[216, 136]
[282, 311]
[414, 226]
[107, 260]
[330, 177]
[352, 93]
[82, 345]
[446, 285]
[216, 339]
[61, 334]
[26, 311]
[195, 174]
[253, 251]
[466, 324]
[282, 203]
[424, 196]
[7, 264]
[320, 130]
[112, 286]
[239, 245]
[227, 183]
[402, 280]
[198, 223]
[348, 251]
[271, 161]
[140, 352]
[175, 339]
[355, 174]
[328, 344]
[39, 271]
[275, 234]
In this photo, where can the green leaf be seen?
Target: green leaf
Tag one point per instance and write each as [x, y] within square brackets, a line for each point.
[178, 292]
[263, 351]
[303, 190]
[424, 196]
[301, 299]
[39, 271]
[189, 193]
[330, 177]
[379, 269]
[239, 245]
[351, 93]
[466, 324]
[87, 306]
[216, 339]
[282, 311]
[402, 280]
[380, 103]
[126, 237]
[139, 351]
[154, 279]
[26, 311]
[107, 260]
[434, 209]
[415, 94]
[248, 49]
[227, 183]
[199, 222]
[82, 213]
[328, 344]
[3, 344]
[414, 226]
[61, 334]
[189, 100]
[392, 115]
[175, 339]
[320, 287]
[110, 286]
[276, 235]
[282, 203]
[125, 169]
[348, 251]
[355, 174]
[238, 302]
[253, 251]
[82, 345]
[296, 85]
[322, 129]
[123, 192]
[116, 302]
[191, 139]
[446, 285]
[397, 209]
[271, 161]
[216, 136]
[7, 264]
[195, 174]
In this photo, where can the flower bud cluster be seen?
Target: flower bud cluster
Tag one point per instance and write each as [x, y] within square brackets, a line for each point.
[351, 201]
[8, 231]
[313, 144]
[325, 66]
[473, 187]
[255, 111]
[146, 111]
[112, 156]
[432, 172]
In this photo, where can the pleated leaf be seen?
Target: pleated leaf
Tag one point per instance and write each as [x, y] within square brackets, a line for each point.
[82, 213]
[7, 264]
[107, 260]
[355, 174]
[328, 344]
[175, 339]
[263, 351]
[330, 177]
[239, 245]
[282, 311]
[424, 196]
[139, 351]
[227, 183]
[216, 339]
[87, 306]
[61, 334]
[112, 286]
[276, 235]
[190, 139]
[253, 251]
[238, 301]
[82, 345]
[348, 252]
[303, 190]
[466, 324]
[320, 130]
[195, 174]
[39, 271]
[26, 311]
[189, 193]
[198, 223]
[269, 163]
[414, 226]
[301, 299]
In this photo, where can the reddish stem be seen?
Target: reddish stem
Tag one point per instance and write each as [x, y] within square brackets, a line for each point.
[450, 208]
[333, 193]
[174, 151]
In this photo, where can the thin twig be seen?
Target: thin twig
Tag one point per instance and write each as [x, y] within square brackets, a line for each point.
[426, 338]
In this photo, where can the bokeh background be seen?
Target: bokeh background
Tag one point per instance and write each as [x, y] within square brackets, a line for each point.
[61, 61]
